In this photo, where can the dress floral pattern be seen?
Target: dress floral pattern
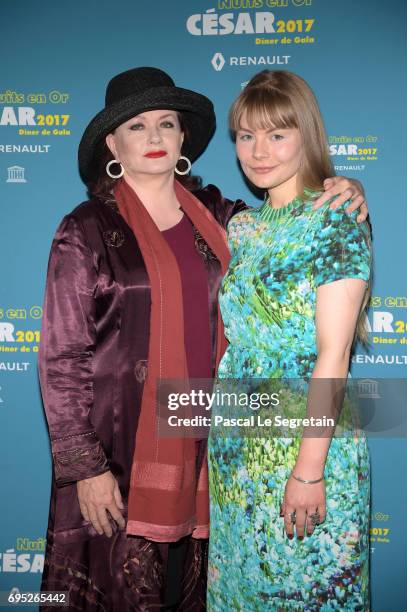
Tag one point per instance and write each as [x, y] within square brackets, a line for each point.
[268, 299]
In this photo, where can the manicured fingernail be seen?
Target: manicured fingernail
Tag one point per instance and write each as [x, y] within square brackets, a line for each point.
[290, 536]
[300, 538]
[281, 513]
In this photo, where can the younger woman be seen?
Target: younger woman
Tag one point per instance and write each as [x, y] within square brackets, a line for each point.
[290, 304]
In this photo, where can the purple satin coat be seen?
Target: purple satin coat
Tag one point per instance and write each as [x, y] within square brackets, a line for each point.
[94, 350]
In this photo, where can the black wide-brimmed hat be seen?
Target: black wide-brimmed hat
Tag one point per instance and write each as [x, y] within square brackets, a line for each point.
[138, 90]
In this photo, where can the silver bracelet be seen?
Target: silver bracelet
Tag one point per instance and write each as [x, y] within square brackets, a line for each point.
[307, 481]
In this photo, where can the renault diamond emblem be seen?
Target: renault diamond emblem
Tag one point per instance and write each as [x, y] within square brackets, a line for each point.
[218, 61]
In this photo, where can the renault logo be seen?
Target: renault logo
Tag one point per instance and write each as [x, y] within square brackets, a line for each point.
[218, 61]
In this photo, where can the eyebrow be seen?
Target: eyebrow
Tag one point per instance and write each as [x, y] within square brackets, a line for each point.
[142, 116]
[275, 129]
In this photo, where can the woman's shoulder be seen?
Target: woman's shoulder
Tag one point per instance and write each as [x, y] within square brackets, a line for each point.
[337, 219]
[222, 208]
[92, 209]
[243, 218]
[342, 246]
[90, 222]
[211, 196]
[93, 212]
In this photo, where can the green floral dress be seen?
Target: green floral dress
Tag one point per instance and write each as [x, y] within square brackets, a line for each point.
[268, 299]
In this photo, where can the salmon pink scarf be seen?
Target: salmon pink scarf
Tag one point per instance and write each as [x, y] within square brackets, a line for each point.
[167, 499]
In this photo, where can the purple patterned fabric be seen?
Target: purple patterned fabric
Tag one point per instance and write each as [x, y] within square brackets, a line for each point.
[123, 574]
[93, 363]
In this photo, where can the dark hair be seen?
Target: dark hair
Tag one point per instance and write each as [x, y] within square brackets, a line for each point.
[102, 185]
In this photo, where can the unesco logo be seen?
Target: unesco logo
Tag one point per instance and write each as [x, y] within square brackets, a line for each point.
[380, 516]
[15, 174]
[218, 61]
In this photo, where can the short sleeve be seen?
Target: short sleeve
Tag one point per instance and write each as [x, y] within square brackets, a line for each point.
[342, 247]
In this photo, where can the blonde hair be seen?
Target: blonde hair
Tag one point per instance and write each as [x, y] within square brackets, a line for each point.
[281, 99]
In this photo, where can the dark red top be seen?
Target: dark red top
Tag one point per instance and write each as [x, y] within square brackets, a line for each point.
[194, 279]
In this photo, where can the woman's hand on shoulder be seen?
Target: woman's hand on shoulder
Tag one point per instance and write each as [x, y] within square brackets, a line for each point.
[97, 496]
[345, 189]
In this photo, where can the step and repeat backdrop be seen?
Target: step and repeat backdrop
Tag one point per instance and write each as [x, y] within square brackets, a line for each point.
[56, 58]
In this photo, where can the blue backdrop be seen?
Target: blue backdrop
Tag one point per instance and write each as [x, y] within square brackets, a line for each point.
[56, 59]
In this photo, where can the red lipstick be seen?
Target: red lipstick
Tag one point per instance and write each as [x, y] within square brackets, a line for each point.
[155, 154]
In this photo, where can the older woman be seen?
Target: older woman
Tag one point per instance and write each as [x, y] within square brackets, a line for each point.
[131, 294]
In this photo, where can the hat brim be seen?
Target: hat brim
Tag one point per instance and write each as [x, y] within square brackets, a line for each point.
[198, 117]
